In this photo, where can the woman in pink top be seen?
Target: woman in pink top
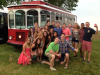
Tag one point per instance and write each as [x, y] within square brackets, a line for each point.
[81, 33]
[66, 31]
[24, 57]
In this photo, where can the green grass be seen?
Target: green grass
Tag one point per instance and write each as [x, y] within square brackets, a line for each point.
[76, 66]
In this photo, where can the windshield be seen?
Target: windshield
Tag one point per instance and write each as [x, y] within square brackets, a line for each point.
[11, 19]
[20, 19]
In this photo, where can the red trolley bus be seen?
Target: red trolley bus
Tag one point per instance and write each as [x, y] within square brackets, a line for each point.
[22, 17]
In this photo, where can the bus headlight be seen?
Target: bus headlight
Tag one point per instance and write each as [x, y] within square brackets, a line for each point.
[20, 36]
[10, 37]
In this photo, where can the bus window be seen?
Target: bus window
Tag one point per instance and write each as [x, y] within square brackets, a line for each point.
[11, 19]
[43, 20]
[45, 17]
[1, 19]
[32, 17]
[53, 16]
[20, 19]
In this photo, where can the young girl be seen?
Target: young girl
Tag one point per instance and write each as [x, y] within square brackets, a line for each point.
[37, 32]
[46, 28]
[51, 34]
[24, 57]
[75, 37]
[30, 34]
[40, 50]
[35, 47]
[55, 35]
[47, 41]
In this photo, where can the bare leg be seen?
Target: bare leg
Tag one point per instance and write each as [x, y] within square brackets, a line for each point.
[73, 46]
[51, 63]
[38, 54]
[76, 44]
[81, 52]
[89, 55]
[41, 52]
[85, 54]
[67, 59]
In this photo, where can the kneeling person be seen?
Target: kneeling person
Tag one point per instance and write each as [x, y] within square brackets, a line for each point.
[64, 46]
[51, 52]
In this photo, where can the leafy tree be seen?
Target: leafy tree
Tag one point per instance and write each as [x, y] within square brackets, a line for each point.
[65, 4]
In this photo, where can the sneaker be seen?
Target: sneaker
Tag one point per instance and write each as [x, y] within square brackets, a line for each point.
[75, 56]
[83, 60]
[42, 62]
[88, 61]
[53, 69]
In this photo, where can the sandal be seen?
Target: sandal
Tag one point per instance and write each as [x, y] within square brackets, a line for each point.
[65, 67]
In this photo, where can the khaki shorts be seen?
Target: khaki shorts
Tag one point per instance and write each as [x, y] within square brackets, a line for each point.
[80, 45]
[49, 55]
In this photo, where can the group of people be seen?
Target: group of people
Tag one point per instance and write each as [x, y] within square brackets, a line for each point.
[53, 43]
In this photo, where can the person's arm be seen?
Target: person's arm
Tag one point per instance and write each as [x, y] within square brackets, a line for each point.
[96, 30]
[35, 40]
[43, 43]
[24, 47]
[72, 48]
[49, 41]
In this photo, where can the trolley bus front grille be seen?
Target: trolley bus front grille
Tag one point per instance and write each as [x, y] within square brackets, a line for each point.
[20, 36]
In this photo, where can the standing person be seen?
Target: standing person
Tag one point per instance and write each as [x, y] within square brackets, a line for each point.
[51, 34]
[70, 37]
[35, 26]
[47, 41]
[30, 34]
[24, 57]
[87, 44]
[53, 25]
[46, 28]
[75, 37]
[58, 29]
[35, 48]
[64, 46]
[51, 52]
[48, 24]
[81, 33]
[66, 31]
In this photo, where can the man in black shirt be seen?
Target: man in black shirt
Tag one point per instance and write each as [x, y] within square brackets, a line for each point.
[53, 24]
[87, 43]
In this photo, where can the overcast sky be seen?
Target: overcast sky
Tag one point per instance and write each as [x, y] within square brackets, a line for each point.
[88, 10]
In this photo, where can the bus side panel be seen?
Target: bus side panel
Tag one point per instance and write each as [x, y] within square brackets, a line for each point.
[4, 30]
[15, 33]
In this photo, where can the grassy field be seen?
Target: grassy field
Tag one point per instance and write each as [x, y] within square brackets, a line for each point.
[76, 66]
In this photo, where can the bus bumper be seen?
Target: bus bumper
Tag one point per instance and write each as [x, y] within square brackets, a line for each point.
[16, 43]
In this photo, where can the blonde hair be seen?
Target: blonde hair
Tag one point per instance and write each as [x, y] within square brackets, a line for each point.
[40, 34]
[26, 41]
[78, 27]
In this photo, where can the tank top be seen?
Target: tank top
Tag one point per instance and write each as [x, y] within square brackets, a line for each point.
[34, 48]
[75, 35]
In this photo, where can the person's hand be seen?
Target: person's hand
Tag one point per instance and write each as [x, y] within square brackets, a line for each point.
[59, 55]
[28, 57]
[96, 25]
[76, 50]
